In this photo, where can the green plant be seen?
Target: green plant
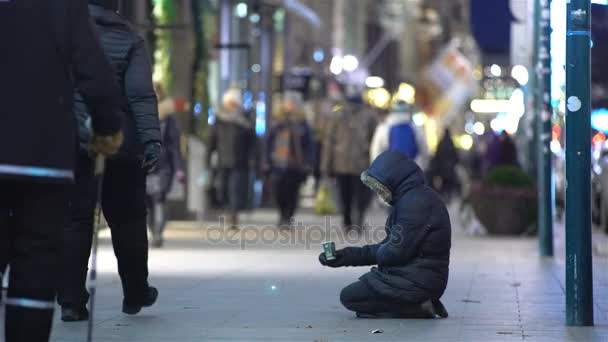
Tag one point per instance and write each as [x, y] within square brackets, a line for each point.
[509, 176]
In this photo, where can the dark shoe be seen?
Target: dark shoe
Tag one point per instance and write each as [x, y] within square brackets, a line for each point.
[135, 308]
[71, 314]
[157, 242]
[440, 309]
[419, 311]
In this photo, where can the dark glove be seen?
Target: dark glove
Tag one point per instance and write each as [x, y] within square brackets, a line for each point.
[337, 262]
[151, 157]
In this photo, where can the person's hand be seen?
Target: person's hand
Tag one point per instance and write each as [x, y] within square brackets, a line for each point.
[151, 157]
[107, 145]
[181, 176]
[337, 262]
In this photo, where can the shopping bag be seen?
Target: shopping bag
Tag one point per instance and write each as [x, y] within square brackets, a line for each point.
[324, 202]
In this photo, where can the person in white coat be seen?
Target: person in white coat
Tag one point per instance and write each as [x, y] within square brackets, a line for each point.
[398, 132]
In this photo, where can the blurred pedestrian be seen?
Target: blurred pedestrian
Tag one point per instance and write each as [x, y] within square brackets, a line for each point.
[507, 151]
[170, 168]
[289, 156]
[413, 261]
[124, 183]
[233, 137]
[442, 168]
[398, 132]
[48, 48]
[345, 156]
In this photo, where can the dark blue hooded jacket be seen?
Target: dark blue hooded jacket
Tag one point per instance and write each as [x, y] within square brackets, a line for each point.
[413, 260]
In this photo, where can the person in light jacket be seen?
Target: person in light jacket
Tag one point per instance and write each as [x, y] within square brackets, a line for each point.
[398, 132]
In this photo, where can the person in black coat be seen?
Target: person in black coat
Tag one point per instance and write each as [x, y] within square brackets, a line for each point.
[442, 170]
[233, 138]
[124, 184]
[48, 48]
[413, 261]
[170, 167]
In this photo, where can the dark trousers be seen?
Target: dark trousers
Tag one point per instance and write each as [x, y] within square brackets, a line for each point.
[157, 218]
[124, 207]
[31, 219]
[366, 302]
[353, 192]
[361, 298]
[287, 187]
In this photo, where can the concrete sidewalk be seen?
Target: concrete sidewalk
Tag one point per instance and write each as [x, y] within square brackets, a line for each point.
[499, 290]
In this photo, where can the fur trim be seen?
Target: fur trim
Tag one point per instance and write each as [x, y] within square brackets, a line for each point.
[378, 187]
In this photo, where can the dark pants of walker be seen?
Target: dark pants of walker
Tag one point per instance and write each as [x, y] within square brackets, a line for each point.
[31, 221]
[361, 298]
[124, 207]
[287, 187]
[157, 216]
[353, 192]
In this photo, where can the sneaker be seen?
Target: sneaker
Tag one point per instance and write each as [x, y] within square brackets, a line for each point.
[135, 308]
[72, 314]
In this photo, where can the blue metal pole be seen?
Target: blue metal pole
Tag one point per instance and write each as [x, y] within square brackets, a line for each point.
[579, 267]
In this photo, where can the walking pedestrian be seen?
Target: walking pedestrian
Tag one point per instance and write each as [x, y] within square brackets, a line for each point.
[48, 48]
[124, 184]
[289, 155]
[413, 261]
[442, 169]
[398, 132]
[233, 137]
[170, 167]
[346, 150]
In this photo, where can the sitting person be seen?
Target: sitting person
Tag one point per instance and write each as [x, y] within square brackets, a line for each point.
[413, 260]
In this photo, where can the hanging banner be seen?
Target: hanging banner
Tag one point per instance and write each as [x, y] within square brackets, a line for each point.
[446, 84]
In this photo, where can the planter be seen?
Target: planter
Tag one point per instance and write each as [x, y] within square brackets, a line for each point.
[504, 210]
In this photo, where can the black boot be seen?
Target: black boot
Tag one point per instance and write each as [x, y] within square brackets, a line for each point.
[74, 314]
[133, 308]
[439, 308]
[424, 310]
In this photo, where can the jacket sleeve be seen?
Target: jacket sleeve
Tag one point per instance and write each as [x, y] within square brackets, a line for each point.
[269, 147]
[407, 233]
[91, 71]
[309, 151]
[328, 145]
[211, 143]
[424, 155]
[141, 96]
[360, 256]
[379, 141]
[174, 147]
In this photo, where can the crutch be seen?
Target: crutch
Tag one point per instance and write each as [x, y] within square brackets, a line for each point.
[99, 172]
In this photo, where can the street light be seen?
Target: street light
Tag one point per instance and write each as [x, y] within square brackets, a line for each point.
[495, 70]
[374, 82]
[520, 74]
[337, 65]
[351, 63]
[241, 10]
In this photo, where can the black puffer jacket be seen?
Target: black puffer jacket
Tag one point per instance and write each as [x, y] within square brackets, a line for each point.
[127, 53]
[47, 48]
[413, 261]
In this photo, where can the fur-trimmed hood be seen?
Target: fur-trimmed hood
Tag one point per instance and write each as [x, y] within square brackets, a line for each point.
[392, 175]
